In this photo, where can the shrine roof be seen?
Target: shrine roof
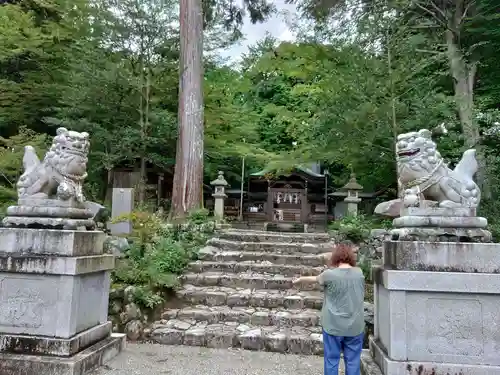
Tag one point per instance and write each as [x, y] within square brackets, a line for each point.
[298, 168]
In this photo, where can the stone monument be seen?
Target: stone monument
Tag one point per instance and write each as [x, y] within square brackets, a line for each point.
[122, 203]
[54, 276]
[219, 195]
[437, 295]
[352, 200]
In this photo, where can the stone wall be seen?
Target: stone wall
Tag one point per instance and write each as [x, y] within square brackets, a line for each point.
[370, 242]
[124, 312]
[127, 317]
[371, 247]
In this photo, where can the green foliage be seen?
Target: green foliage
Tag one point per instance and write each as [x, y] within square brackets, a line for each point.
[12, 153]
[366, 266]
[146, 226]
[158, 267]
[198, 217]
[339, 94]
[353, 228]
[11, 162]
[145, 296]
[159, 254]
[8, 197]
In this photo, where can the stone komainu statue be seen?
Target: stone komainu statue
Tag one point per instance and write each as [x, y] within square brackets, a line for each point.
[422, 173]
[61, 173]
[424, 178]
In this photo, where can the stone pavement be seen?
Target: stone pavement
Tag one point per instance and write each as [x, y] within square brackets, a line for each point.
[151, 359]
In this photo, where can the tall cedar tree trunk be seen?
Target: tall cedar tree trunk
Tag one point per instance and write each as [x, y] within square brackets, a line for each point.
[142, 170]
[145, 99]
[188, 177]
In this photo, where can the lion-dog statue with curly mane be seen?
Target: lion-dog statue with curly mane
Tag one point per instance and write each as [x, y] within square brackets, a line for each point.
[61, 172]
[50, 192]
[426, 181]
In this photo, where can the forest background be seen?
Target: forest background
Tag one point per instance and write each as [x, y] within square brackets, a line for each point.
[359, 73]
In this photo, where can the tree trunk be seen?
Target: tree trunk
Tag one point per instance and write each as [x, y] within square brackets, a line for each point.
[188, 176]
[145, 98]
[463, 78]
[142, 170]
[464, 74]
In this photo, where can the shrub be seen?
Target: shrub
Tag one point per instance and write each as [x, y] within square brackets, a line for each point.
[154, 271]
[357, 228]
[198, 217]
[491, 210]
[159, 254]
[8, 197]
[365, 264]
[145, 225]
[352, 228]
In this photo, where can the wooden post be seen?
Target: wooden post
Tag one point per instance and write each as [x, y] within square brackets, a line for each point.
[303, 207]
[270, 200]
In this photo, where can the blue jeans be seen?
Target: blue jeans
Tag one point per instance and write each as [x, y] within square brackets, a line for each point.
[350, 346]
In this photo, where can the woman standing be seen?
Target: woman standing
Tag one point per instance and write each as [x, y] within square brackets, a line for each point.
[342, 315]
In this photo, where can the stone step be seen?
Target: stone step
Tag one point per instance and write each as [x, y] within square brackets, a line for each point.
[262, 236]
[297, 340]
[259, 316]
[213, 254]
[275, 247]
[247, 280]
[269, 298]
[252, 266]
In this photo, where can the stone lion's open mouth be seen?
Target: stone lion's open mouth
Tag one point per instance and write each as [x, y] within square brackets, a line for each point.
[73, 151]
[408, 153]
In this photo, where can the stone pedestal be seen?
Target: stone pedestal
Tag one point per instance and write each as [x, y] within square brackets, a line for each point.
[352, 205]
[54, 287]
[219, 205]
[437, 309]
[440, 225]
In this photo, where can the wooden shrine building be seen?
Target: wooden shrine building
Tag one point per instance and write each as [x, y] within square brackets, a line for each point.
[295, 197]
[158, 187]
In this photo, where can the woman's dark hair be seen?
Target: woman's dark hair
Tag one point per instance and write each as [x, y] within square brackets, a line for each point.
[343, 253]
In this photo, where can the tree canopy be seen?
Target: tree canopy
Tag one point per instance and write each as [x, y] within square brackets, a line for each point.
[336, 95]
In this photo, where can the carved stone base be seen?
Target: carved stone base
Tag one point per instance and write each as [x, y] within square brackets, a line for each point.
[440, 222]
[441, 234]
[377, 362]
[82, 363]
[49, 213]
[48, 222]
[52, 242]
[442, 256]
[52, 212]
[436, 322]
[427, 210]
[44, 202]
[43, 345]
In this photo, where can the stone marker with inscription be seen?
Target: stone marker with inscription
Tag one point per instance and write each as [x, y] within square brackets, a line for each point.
[122, 204]
[54, 275]
[437, 295]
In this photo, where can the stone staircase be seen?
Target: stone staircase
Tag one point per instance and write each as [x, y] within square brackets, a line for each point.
[240, 294]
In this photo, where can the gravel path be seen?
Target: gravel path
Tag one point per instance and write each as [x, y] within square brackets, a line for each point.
[150, 359]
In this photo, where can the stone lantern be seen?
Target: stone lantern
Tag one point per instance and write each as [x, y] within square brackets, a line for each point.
[219, 195]
[352, 199]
